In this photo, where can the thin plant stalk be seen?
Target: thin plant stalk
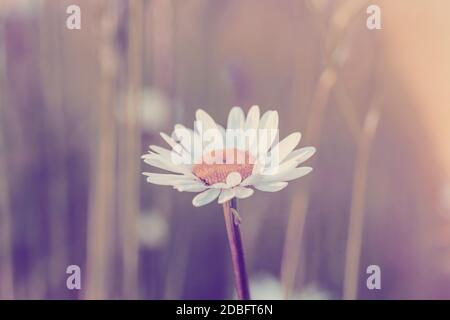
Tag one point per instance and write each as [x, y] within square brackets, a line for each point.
[176, 272]
[356, 222]
[51, 62]
[6, 240]
[299, 207]
[103, 192]
[130, 185]
[236, 249]
[327, 83]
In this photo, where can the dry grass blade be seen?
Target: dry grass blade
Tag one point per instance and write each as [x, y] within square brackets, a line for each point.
[130, 156]
[6, 265]
[102, 196]
[327, 82]
[356, 223]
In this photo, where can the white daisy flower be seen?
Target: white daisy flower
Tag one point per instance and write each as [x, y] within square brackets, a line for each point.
[228, 163]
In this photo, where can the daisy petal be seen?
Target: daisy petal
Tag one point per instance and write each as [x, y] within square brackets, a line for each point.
[222, 132]
[285, 166]
[242, 193]
[233, 179]
[251, 180]
[163, 152]
[264, 119]
[235, 119]
[285, 146]
[205, 197]
[298, 173]
[189, 140]
[289, 175]
[301, 155]
[226, 195]
[158, 162]
[271, 187]
[166, 179]
[219, 185]
[251, 133]
[252, 120]
[205, 120]
[298, 156]
[191, 187]
[213, 140]
[169, 156]
[172, 143]
[267, 131]
[257, 168]
[191, 182]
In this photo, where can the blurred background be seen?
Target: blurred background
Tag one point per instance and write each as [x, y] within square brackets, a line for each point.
[79, 107]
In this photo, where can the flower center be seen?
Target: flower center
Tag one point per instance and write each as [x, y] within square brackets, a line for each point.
[216, 166]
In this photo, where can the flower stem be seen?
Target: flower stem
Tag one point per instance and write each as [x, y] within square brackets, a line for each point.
[237, 251]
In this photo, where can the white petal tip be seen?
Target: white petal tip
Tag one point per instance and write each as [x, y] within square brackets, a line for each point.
[310, 150]
[272, 187]
[205, 197]
[242, 193]
[200, 112]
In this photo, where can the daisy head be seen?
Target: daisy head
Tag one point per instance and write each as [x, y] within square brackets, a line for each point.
[230, 162]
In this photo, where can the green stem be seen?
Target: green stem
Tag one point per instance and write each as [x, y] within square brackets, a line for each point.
[236, 249]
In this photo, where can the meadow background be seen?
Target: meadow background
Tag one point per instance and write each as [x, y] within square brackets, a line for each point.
[79, 107]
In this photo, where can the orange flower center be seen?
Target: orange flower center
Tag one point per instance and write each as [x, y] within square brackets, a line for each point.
[215, 167]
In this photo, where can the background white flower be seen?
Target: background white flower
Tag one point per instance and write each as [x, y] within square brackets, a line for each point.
[265, 286]
[257, 160]
[153, 229]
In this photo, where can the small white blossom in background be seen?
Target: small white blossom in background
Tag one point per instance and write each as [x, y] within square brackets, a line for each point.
[314, 292]
[153, 229]
[155, 111]
[267, 287]
[18, 7]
